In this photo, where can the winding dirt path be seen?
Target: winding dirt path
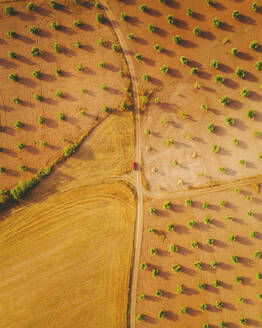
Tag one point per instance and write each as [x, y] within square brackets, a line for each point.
[139, 189]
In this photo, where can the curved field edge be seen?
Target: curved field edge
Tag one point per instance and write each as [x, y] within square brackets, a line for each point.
[65, 256]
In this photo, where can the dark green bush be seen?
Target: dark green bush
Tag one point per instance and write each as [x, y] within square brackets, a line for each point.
[143, 266]
[19, 124]
[167, 205]
[205, 205]
[40, 119]
[151, 27]
[71, 149]
[143, 8]
[198, 265]
[189, 12]
[34, 30]
[12, 54]
[155, 272]
[13, 76]
[235, 259]
[77, 44]
[258, 65]
[54, 4]
[219, 304]
[250, 113]
[158, 48]
[138, 57]
[130, 36]
[61, 116]
[194, 70]
[214, 64]
[161, 314]
[57, 47]
[100, 18]
[30, 6]
[184, 60]
[254, 6]
[9, 10]
[245, 92]
[170, 19]
[55, 25]
[197, 31]
[115, 47]
[78, 23]
[236, 14]
[203, 307]
[210, 2]
[210, 127]
[100, 42]
[253, 45]
[164, 69]
[145, 77]
[38, 97]
[240, 72]
[229, 120]
[234, 51]
[123, 16]
[177, 39]
[219, 79]
[2, 170]
[11, 34]
[225, 100]
[139, 317]
[173, 248]
[202, 286]
[36, 74]
[216, 22]
[20, 145]
[35, 51]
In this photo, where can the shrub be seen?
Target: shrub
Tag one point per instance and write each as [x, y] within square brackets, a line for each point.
[219, 304]
[36, 74]
[176, 268]
[167, 205]
[189, 12]
[197, 31]
[13, 76]
[238, 279]
[138, 57]
[184, 60]
[216, 22]
[210, 241]
[80, 67]
[234, 51]
[257, 254]
[142, 296]
[159, 292]
[55, 25]
[253, 45]
[204, 107]
[221, 169]
[229, 120]
[19, 124]
[104, 108]
[2, 169]
[98, 5]
[183, 310]
[198, 265]
[38, 97]
[78, 23]
[23, 168]
[151, 27]
[42, 143]
[9, 10]
[170, 19]
[213, 264]
[214, 64]
[155, 272]
[205, 205]
[143, 8]
[236, 190]
[145, 77]
[207, 220]
[249, 213]
[12, 54]
[40, 119]
[20, 145]
[123, 16]
[194, 70]
[224, 100]
[77, 44]
[30, 6]
[194, 244]
[59, 94]
[235, 259]
[232, 238]
[243, 321]
[188, 202]
[259, 296]
[250, 113]
[210, 2]
[179, 289]
[57, 47]
[152, 211]
[253, 234]
[240, 72]
[163, 1]
[130, 36]
[254, 6]
[177, 39]
[191, 223]
[170, 227]
[216, 283]
[35, 52]
[161, 314]
[173, 248]
[54, 4]
[164, 69]
[205, 325]
[11, 34]
[245, 92]
[139, 317]
[222, 324]
[153, 251]
[34, 30]
[258, 65]
[158, 48]
[222, 203]
[100, 18]
[256, 133]
[219, 78]
[61, 116]
[16, 100]
[203, 307]
[236, 14]
[259, 275]
[202, 286]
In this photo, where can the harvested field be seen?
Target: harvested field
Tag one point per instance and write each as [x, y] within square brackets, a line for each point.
[64, 257]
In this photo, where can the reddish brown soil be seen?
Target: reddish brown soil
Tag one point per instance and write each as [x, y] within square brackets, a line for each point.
[220, 229]
[178, 94]
[34, 156]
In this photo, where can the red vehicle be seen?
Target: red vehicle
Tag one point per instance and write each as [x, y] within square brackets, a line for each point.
[134, 166]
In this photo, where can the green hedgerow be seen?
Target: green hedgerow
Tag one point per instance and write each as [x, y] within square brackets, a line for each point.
[197, 31]
[177, 39]
[253, 45]
[55, 25]
[236, 14]
[214, 64]
[240, 72]
[216, 22]
[36, 74]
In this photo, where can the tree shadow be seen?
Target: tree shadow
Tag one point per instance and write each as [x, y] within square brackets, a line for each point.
[173, 4]
[208, 89]
[140, 40]
[153, 12]
[67, 30]
[225, 266]
[27, 82]
[25, 60]
[245, 56]
[43, 11]
[29, 127]
[230, 83]
[193, 312]
[11, 172]
[68, 52]
[220, 131]
[50, 101]
[240, 125]
[219, 6]
[147, 318]
[225, 68]
[88, 48]
[190, 291]
[6, 108]
[208, 35]
[188, 272]
[227, 286]
[87, 28]
[45, 34]
[181, 24]
[188, 44]
[10, 152]
[50, 123]
[168, 52]
[25, 17]
[171, 316]
[149, 61]
[7, 64]
[47, 77]
[247, 20]
[25, 39]
[255, 96]
[251, 77]
[133, 20]
[48, 56]
[204, 75]
[199, 17]
[156, 81]
[162, 33]
[235, 104]
[32, 150]
[229, 306]
[174, 73]
[227, 27]
[246, 261]
[184, 251]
